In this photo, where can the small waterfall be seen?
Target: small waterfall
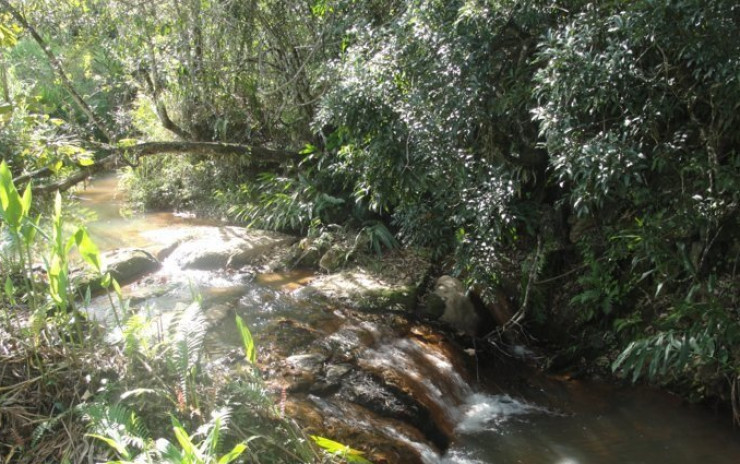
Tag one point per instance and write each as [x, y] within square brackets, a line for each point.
[430, 372]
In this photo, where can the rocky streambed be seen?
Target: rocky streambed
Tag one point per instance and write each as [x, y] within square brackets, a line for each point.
[351, 357]
[347, 351]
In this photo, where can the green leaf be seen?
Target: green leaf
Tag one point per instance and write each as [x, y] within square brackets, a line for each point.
[85, 161]
[334, 447]
[26, 199]
[7, 37]
[249, 349]
[11, 206]
[183, 438]
[106, 280]
[233, 454]
[9, 290]
[88, 250]
[120, 449]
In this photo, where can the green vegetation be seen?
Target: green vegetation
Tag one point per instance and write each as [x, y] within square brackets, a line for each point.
[581, 156]
[50, 350]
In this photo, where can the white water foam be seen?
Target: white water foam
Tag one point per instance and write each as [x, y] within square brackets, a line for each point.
[488, 412]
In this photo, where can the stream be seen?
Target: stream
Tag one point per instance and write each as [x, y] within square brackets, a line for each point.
[401, 387]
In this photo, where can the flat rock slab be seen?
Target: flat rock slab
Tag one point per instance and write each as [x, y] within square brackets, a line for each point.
[209, 248]
[362, 289]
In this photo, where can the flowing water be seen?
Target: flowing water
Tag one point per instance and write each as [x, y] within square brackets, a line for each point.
[405, 389]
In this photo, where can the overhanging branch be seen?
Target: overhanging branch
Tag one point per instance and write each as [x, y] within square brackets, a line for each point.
[110, 157]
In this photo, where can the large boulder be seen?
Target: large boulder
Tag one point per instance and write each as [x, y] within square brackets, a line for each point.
[226, 247]
[459, 311]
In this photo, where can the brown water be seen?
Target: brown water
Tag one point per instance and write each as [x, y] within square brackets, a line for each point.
[514, 415]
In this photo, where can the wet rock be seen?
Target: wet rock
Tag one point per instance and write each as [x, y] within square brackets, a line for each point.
[226, 247]
[367, 391]
[383, 438]
[148, 291]
[165, 251]
[346, 343]
[219, 313]
[303, 370]
[129, 264]
[335, 372]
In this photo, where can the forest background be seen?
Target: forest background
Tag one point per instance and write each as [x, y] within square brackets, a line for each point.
[580, 156]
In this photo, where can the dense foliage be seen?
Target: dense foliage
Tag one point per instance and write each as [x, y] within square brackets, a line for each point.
[581, 155]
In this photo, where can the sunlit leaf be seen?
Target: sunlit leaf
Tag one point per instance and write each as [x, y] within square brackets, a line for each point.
[250, 350]
[88, 249]
[11, 206]
[334, 447]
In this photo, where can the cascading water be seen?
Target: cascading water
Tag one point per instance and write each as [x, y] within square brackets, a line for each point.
[400, 389]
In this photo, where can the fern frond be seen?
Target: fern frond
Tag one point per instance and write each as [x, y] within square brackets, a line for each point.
[188, 329]
[211, 431]
[136, 335]
[116, 422]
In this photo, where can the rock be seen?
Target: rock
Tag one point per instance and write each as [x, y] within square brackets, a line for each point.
[164, 252]
[363, 290]
[433, 307]
[128, 264]
[303, 370]
[334, 259]
[226, 247]
[495, 303]
[125, 265]
[308, 252]
[459, 311]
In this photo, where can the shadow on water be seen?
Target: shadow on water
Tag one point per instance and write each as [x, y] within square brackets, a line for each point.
[400, 389]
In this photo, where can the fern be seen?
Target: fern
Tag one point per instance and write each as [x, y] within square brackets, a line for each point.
[136, 335]
[117, 423]
[188, 329]
[379, 237]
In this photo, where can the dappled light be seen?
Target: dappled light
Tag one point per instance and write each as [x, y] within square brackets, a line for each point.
[369, 231]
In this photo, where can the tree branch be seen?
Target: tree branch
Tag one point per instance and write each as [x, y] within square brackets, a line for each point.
[110, 157]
